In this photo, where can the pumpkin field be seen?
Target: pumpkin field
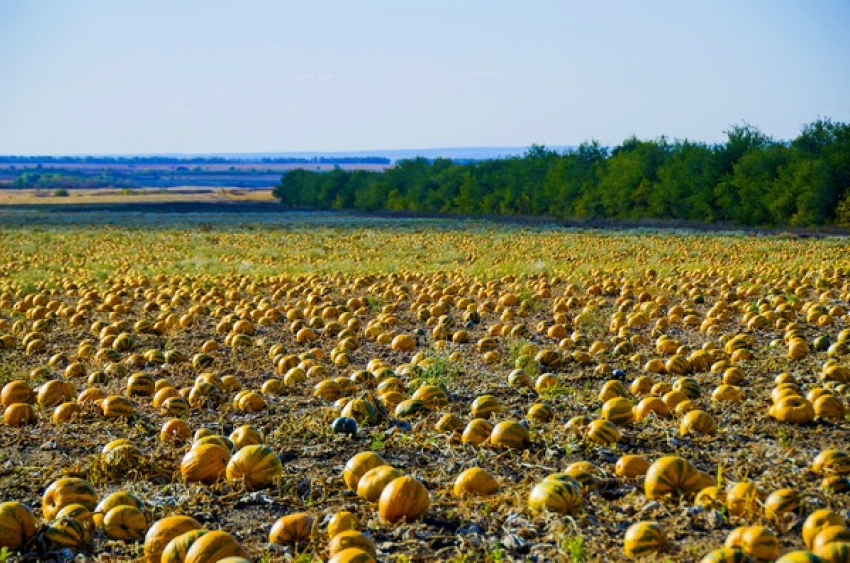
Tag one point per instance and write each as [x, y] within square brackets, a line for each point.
[290, 387]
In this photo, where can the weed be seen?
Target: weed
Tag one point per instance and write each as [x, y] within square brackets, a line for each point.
[497, 553]
[5, 553]
[574, 546]
[379, 442]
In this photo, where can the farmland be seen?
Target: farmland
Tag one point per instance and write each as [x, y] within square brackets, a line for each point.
[520, 350]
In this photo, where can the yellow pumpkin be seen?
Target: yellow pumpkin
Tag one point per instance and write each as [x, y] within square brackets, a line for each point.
[64, 491]
[556, 495]
[358, 465]
[255, 466]
[511, 435]
[631, 466]
[645, 538]
[352, 539]
[342, 521]
[214, 546]
[818, 520]
[165, 530]
[475, 481]
[17, 525]
[671, 475]
[125, 523]
[372, 484]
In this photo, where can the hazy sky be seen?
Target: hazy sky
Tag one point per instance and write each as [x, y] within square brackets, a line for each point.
[150, 76]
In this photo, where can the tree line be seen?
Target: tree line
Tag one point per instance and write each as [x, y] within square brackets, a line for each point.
[750, 179]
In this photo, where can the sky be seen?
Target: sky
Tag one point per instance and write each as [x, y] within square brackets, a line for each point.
[215, 76]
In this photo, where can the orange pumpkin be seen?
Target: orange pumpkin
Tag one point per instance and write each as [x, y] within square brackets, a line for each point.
[405, 498]
[372, 483]
[292, 529]
[206, 463]
[475, 481]
[125, 523]
[358, 465]
[214, 546]
[352, 539]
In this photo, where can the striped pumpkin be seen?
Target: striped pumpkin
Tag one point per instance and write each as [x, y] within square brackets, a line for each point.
[79, 513]
[555, 495]
[618, 411]
[651, 405]
[836, 552]
[352, 539]
[780, 502]
[17, 525]
[678, 365]
[65, 491]
[511, 435]
[358, 465]
[485, 406]
[65, 532]
[117, 406]
[341, 522]
[689, 386]
[256, 466]
[697, 423]
[176, 549]
[672, 476]
[214, 546]
[292, 529]
[351, 555]
[19, 414]
[433, 395]
[126, 523]
[246, 435]
[835, 484]
[645, 538]
[831, 462]
[363, 411]
[165, 530]
[477, 432]
[800, 556]
[410, 408]
[760, 543]
[206, 464]
[727, 555]
[118, 498]
[585, 473]
[403, 499]
[448, 423]
[828, 535]
[602, 432]
[818, 520]
[742, 499]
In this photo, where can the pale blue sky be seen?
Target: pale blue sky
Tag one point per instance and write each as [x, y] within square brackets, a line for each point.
[151, 76]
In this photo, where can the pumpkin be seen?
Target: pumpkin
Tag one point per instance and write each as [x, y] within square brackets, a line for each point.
[125, 523]
[245, 435]
[372, 484]
[65, 412]
[585, 473]
[799, 556]
[362, 411]
[651, 405]
[165, 530]
[65, 491]
[671, 475]
[711, 497]
[19, 414]
[474, 481]
[760, 543]
[511, 435]
[292, 529]
[631, 466]
[214, 546]
[403, 499]
[540, 413]
[175, 430]
[828, 535]
[831, 462]
[742, 499]
[358, 465]
[55, 392]
[342, 521]
[449, 423]
[602, 432]
[780, 502]
[17, 525]
[351, 555]
[255, 466]
[484, 406]
[727, 555]
[818, 520]
[352, 539]
[836, 552]
[206, 463]
[835, 484]
[477, 432]
[698, 423]
[794, 410]
[434, 396]
[118, 498]
[176, 549]
[410, 408]
[65, 532]
[556, 495]
[79, 513]
[16, 392]
[117, 406]
[645, 538]
[618, 411]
